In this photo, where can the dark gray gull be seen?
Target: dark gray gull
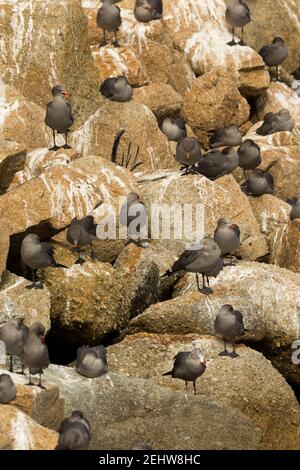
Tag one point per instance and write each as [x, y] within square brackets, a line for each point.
[109, 19]
[59, 114]
[35, 352]
[36, 254]
[117, 89]
[134, 216]
[215, 164]
[188, 366]
[226, 136]
[249, 155]
[207, 261]
[148, 10]
[8, 390]
[229, 324]
[14, 335]
[227, 236]
[91, 361]
[275, 54]
[174, 128]
[74, 433]
[237, 15]
[295, 203]
[188, 151]
[258, 182]
[276, 122]
[81, 233]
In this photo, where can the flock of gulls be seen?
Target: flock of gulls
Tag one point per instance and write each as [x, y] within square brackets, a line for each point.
[228, 151]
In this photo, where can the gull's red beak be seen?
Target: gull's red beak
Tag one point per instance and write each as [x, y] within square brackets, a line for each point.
[43, 339]
[66, 95]
[188, 154]
[234, 226]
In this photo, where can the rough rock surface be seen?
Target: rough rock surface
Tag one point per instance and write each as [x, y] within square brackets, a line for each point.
[289, 256]
[98, 133]
[219, 198]
[12, 158]
[235, 382]
[18, 302]
[273, 216]
[44, 406]
[162, 99]
[277, 97]
[20, 432]
[214, 101]
[26, 61]
[140, 409]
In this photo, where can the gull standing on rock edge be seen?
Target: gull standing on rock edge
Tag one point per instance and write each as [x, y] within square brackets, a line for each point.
[81, 233]
[230, 325]
[109, 19]
[227, 236]
[14, 335]
[275, 54]
[59, 114]
[35, 352]
[237, 15]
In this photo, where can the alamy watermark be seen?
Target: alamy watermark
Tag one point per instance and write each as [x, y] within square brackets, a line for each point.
[160, 221]
[296, 353]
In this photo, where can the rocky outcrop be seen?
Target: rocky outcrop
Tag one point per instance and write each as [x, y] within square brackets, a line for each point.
[277, 97]
[12, 158]
[20, 432]
[219, 198]
[98, 133]
[289, 255]
[214, 101]
[161, 98]
[44, 406]
[235, 382]
[33, 66]
[140, 409]
[18, 302]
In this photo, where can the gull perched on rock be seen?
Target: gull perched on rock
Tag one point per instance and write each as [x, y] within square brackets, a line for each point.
[148, 10]
[227, 236]
[59, 114]
[188, 151]
[81, 233]
[295, 203]
[188, 366]
[226, 136]
[215, 164]
[276, 122]
[207, 261]
[275, 54]
[14, 335]
[74, 433]
[174, 128]
[36, 254]
[237, 15]
[249, 155]
[117, 89]
[35, 352]
[8, 390]
[258, 182]
[230, 325]
[91, 361]
[109, 19]
[134, 216]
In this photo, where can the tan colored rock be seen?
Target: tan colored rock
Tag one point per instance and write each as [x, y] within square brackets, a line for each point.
[162, 99]
[140, 409]
[12, 158]
[286, 23]
[39, 160]
[214, 101]
[61, 193]
[20, 432]
[200, 30]
[220, 198]
[4, 248]
[44, 406]
[114, 62]
[277, 97]
[97, 135]
[249, 383]
[289, 256]
[33, 66]
[21, 120]
[273, 216]
[248, 287]
[18, 302]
